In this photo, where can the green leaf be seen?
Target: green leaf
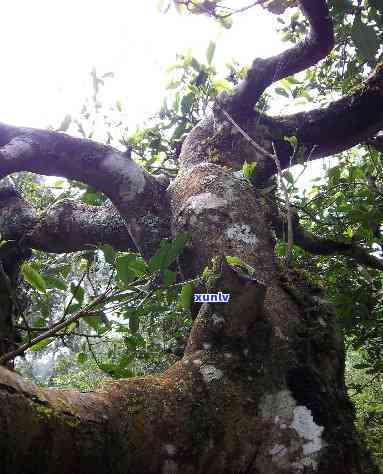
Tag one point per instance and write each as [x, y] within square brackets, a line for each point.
[169, 277]
[195, 64]
[186, 103]
[109, 253]
[168, 252]
[186, 296]
[233, 260]
[93, 198]
[96, 321]
[210, 52]
[63, 270]
[134, 323]
[334, 173]
[33, 277]
[55, 282]
[281, 91]
[81, 357]
[222, 85]
[41, 344]
[365, 39]
[293, 140]
[248, 169]
[237, 262]
[129, 267]
[78, 292]
[287, 175]
[73, 308]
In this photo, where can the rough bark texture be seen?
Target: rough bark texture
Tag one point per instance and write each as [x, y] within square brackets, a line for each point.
[260, 388]
[68, 226]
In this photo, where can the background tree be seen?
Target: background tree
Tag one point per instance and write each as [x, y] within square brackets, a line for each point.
[260, 385]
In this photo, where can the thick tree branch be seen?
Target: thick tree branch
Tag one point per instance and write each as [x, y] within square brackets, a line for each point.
[319, 246]
[67, 226]
[140, 199]
[343, 124]
[265, 72]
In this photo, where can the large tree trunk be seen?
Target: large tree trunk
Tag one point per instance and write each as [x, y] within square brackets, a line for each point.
[260, 388]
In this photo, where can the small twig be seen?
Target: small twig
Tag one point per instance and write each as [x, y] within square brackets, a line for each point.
[54, 330]
[73, 295]
[290, 232]
[93, 354]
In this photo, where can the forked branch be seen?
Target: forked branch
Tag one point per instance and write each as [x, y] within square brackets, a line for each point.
[265, 72]
[137, 195]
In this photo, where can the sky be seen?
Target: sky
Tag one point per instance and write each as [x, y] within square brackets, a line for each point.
[49, 48]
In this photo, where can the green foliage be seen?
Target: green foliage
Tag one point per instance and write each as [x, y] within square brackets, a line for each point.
[248, 170]
[139, 323]
[186, 296]
[33, 277]
[191, 90]
[168, 253]
[366, 392]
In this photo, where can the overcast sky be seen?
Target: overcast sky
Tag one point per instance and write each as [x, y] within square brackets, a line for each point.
[49, 48]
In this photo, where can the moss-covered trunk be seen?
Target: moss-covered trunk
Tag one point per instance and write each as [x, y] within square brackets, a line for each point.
[260, 388]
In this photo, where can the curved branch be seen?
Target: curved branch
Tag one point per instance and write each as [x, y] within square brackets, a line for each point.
[319, 246]
[138, 196]
[265, 72]
[343, 124]
[67, 226]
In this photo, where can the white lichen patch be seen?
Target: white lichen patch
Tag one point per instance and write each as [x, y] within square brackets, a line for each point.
[197, 362]
[303, 423]
[210, 373]
[129, 175]
[241, 232]
[170, 449]
[305, 436]
[200, 202]
[206, 346]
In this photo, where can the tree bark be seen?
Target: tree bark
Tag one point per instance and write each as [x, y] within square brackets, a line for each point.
[260, 388]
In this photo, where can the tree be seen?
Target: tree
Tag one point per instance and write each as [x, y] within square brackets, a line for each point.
[260, 387]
